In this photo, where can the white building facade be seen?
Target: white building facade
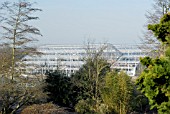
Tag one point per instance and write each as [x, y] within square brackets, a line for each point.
[69, 58]
[129, 61]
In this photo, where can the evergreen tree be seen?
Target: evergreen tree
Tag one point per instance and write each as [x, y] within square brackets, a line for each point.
[58, 87]
[154, 80]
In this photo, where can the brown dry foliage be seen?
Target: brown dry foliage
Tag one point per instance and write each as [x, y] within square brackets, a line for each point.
[47, 108]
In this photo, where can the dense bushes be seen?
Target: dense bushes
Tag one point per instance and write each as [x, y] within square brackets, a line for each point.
[116, 92]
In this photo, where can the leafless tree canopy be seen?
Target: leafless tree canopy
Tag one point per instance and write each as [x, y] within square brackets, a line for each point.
[16, 33]
[160, 7]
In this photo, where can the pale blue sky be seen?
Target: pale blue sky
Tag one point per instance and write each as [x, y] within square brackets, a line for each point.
[76, 21]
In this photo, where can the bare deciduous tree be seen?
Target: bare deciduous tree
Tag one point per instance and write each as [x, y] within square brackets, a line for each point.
[18, 32]
[160, 7]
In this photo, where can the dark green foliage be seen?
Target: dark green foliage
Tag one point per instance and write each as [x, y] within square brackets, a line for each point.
[115, 91]
[58, 88]
[154, 81]
[139, 103]
[146, 61]
[67, 91]
[162, 30]
[82, 84]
